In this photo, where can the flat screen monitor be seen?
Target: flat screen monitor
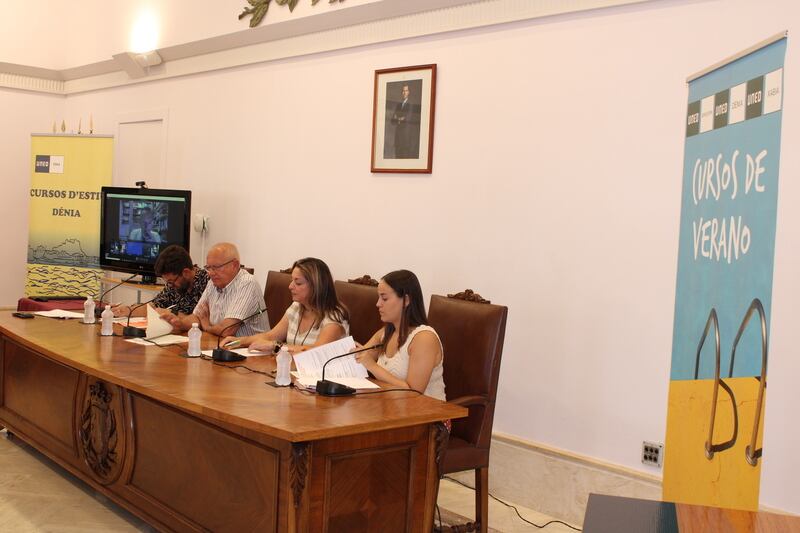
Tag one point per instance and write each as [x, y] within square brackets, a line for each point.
[137, 223]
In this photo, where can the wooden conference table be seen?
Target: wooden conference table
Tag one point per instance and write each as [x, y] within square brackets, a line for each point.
[191, 446]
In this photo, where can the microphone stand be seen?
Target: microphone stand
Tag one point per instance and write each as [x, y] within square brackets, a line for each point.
[133, 331]
[229, 356]
[331, 388]
[99, 309]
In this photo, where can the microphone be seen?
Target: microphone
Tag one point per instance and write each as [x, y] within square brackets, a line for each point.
[229, 356]
[99, 309]
[133, 331]
[331, 388]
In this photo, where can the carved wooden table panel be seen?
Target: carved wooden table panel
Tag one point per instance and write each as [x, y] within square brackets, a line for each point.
[102, 429]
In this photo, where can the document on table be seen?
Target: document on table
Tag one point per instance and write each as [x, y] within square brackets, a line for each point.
[59, 313]
[156, 327]
[241, 351]
[164, 340]
[137, 321]
[344, 370]
[310, 382]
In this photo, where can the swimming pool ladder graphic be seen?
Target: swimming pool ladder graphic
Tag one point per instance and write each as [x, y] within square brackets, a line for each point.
[751, 453]
[711, 448]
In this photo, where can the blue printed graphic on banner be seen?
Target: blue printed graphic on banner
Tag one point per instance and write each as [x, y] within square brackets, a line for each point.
[728, 212]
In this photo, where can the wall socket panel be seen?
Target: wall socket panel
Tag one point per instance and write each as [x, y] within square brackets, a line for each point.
[652, 453]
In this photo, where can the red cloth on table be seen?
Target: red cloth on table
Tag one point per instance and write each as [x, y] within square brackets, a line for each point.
[26, 304]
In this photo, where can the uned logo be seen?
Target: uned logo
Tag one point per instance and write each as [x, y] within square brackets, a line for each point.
[50, 164]
[43, 163]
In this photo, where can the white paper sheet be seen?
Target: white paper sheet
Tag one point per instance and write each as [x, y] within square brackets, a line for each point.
[310, 382]
[241, 351]
[155, 326]
[59, 313]
[309, 363]
[137, 321]
[164, 340]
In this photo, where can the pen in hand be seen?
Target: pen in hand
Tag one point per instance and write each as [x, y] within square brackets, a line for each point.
[230, 344]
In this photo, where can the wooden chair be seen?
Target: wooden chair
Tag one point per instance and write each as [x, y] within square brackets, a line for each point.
[359, 296]
[472, 331]
[276, 295]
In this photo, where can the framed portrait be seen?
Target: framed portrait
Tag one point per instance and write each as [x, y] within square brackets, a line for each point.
[402, 119]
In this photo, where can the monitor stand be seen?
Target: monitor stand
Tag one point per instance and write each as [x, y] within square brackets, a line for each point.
[147, 279]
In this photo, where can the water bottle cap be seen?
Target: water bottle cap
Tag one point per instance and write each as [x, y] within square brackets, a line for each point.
[195, 325]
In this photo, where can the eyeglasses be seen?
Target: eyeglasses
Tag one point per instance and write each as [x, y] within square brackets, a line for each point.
[170, 282]
[212, 268]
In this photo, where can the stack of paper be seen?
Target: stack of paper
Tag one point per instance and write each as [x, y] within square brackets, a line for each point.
[137, 321]
[345, 370]
[59, 313]
[164, 340]
[156, 327]
[158, 331]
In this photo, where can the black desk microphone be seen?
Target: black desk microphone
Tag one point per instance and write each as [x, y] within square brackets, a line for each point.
[331, 388]
[133, 331]
[229, 356]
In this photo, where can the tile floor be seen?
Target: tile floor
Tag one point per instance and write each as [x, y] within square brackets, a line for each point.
[36, 495]
[461, 500]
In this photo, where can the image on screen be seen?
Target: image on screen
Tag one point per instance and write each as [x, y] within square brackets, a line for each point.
[138, 227]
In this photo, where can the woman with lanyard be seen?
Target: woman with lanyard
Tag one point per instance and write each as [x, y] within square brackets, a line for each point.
[316, 316]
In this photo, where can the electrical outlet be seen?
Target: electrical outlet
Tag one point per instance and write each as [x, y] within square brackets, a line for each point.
[652, 453]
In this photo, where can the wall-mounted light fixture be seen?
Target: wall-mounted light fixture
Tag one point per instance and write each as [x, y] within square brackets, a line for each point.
[143, 42]
[137, 65]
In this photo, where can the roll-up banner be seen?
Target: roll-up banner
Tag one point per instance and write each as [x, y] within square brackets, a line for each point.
[67, 172]
[720, 344]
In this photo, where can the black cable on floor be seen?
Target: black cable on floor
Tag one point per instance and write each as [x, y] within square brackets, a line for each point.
[515, 509]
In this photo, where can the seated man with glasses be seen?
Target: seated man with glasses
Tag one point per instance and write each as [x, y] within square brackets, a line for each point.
[232, 296]
[185, 284]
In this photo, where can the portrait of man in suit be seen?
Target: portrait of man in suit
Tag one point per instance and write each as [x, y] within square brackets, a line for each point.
[402, 120]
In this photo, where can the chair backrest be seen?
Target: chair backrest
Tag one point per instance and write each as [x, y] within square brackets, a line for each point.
[277, 295]
[359, 296]
[472, 331]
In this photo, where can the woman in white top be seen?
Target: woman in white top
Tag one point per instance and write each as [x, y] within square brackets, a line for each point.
[410, 355]
[316, 316]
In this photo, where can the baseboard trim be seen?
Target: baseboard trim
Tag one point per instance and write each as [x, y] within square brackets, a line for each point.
[575, 458]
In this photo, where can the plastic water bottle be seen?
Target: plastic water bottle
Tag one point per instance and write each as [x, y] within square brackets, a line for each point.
[88, 310]
[284, 361]
[194, 340]
[107, 322]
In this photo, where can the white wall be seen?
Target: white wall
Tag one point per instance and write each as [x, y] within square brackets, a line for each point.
[556, 191]
[22, 114]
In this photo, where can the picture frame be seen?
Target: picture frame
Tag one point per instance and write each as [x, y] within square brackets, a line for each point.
[403, 114]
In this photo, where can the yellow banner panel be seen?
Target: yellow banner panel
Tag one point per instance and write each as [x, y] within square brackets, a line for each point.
[67, 172]
[721, 472]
